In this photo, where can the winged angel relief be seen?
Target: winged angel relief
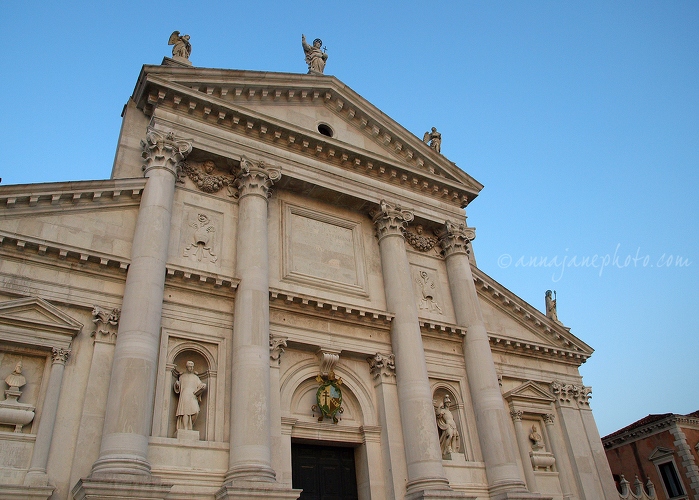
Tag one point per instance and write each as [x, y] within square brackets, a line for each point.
[202, 241]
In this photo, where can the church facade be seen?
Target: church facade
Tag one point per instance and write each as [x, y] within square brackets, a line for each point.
[275, 296]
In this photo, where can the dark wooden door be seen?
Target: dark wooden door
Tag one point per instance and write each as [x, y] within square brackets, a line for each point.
[323, 472]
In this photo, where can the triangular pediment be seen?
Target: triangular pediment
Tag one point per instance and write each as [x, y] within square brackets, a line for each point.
[529, 392]
[286, 109]
[660, 453]
[34, 321]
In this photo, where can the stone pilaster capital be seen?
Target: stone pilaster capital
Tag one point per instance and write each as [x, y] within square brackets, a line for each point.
[164, 151]
[549, 418]
[60, 355]
[276, 348]
[516, 415]
[256, 178]
[567, 393]
[390, 220]
[382, 365]
[455, 237]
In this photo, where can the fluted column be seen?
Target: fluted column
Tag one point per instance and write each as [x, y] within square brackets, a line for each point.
[128, 419]
[250, 438]
[559, 452]
[421, 441]
[491, 416]
[523, 445]
[36, 476]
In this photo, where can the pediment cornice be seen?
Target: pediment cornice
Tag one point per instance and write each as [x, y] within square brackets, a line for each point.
[223, 98]
[554, 336]
[34, 321]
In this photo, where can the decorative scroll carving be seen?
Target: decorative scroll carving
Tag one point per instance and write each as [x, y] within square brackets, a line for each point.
[418, 240]
[568, 392]
[202, 239]
[328, 360]
[256, 178]
[206, 180]
[164, 151]
[12, 412]
[382, 365]
[455, 238]
[276, 348]
[390, 219]
[106, 322]
[60, 355]
[516, 415]
[427, 289]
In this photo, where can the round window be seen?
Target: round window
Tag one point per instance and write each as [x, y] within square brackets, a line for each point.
[325, 129]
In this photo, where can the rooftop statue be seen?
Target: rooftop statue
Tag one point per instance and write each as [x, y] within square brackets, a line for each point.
[181, 47]
[433, 139]
[551, 306]
[315, 57]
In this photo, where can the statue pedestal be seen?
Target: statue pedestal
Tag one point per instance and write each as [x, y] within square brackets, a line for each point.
[186, 435]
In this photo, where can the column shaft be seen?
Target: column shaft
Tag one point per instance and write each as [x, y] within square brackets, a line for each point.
[36, 476]
[130, 400]
[250, 436]
[491, 416]
[421, 441]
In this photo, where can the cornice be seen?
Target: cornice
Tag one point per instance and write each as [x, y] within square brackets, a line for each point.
[643, 431]
[22, 198]
[14, 242]
[197, 277]
[507, 344]
[527, 315]
[409, 171]
[322, 307]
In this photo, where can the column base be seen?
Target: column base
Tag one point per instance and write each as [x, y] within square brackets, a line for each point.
[36, 478]
[242, 490]
[11, 492]
[121, 487]
[519, 495]
[438, 495]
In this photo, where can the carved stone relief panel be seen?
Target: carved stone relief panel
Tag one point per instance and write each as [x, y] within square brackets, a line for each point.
[21, 376]
[201, 235]
[207, 178]
[427, 291]
[322, 250]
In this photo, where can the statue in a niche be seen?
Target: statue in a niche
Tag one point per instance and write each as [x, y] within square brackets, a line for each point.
[190, 388]
[448, 433]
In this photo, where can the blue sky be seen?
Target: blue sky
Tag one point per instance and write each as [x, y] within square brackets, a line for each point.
[580, 118]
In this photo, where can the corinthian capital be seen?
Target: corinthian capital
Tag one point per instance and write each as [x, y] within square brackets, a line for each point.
[516, 415]
[60, 355]
[382, 365]
[390, 219]
[164, 150]
[256, 178]
[454, 238]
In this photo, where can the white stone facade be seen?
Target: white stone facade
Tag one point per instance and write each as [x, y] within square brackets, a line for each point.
[233, 234]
